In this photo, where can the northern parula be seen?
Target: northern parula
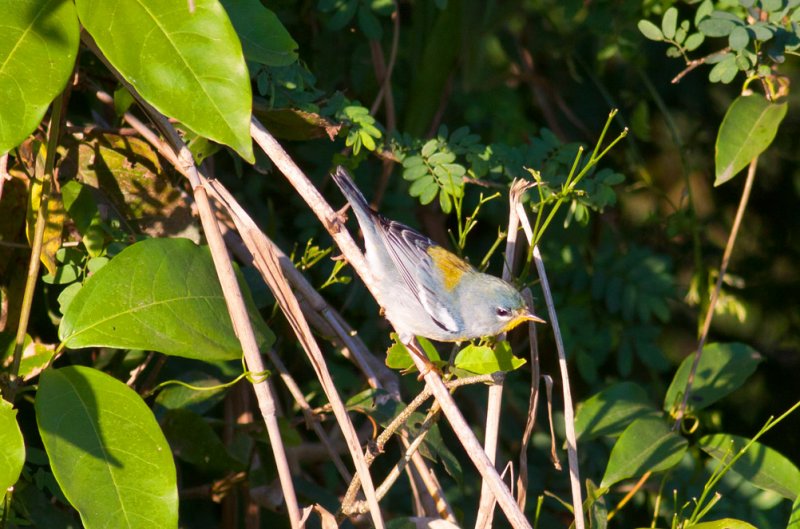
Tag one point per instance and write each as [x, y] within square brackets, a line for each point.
[426, 290]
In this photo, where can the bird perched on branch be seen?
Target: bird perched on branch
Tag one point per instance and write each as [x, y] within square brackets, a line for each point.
[426, 290]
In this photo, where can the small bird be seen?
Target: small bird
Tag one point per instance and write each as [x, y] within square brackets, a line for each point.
[426, 290]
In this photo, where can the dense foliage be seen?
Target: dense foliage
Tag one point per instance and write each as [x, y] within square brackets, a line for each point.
[646, 127]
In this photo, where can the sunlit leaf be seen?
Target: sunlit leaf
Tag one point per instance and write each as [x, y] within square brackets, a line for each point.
[610, 411]
[723, 368]
[12, 455]
[106, 450]
[37, 55]
[749, 126]
[762, 466]
[183, 57]
[647, 445]
[160, 295]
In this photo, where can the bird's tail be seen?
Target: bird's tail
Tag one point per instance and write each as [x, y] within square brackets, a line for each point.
[350, 191]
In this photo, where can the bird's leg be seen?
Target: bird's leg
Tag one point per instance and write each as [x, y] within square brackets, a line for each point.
[413, 346]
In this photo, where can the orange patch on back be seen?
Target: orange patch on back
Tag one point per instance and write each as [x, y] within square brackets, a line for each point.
[451, 266]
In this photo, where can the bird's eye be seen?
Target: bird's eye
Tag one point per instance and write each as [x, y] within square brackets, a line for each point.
[503, 312]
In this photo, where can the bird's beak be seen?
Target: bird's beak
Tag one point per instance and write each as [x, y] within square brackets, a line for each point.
[527, 315]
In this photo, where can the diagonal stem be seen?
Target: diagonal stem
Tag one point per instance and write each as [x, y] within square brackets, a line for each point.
[726, 256]
[37, 243]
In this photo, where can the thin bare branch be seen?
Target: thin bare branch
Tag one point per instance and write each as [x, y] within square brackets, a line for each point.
[569, 411]
[230, 286]
[332, 223]
[712, 305]
[533, 406]
[495, 396]
[53, 135]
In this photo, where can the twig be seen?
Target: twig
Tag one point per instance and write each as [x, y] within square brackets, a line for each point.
[398, 425]
[291, 309]
[230, 287]
[35, 262]
[495, 396]
[631, 493]
[691, 65]
[569, 412]
[256, 241]
[726, 256]
[305, 408]
[470, 443]
[332, 223]
[354, 345]
[378, 375]
[533, 406]
[548, 391]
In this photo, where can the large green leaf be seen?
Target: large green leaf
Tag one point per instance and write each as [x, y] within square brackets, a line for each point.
[647, 444]
[612, 410]
[760, 465]
[187, 64]
[484, 360]
[37, 54]
[160, 295]
[747, 130]
[264, 38]
[12, 453]
[723, 368]
[106, 450]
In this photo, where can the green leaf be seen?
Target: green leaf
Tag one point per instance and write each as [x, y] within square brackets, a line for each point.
[264, 39]
[748, 128]
[445, 203]
[610, 411]
[199, 401]
[647, 444]
[723, 368]
[419, 186]
[429, 193]
[344, 13]
[441, 157]
[398, 357]
[705, 9]
[160, 295]
[794, 518]
[369, 23]
[12, 454]
[193, 440]
[106, 450]
[413, 161]
[762, 466]
[650, 30]
[188, 65]
[429, 148]
[725, 523]
[37, 55]
[694, 41]
[717, 27]
[725, 70]
[483, 360]
[739, 38]
[669, 22]
[415, 172]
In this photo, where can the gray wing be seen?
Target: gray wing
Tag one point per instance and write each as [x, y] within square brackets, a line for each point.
[409, 252]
